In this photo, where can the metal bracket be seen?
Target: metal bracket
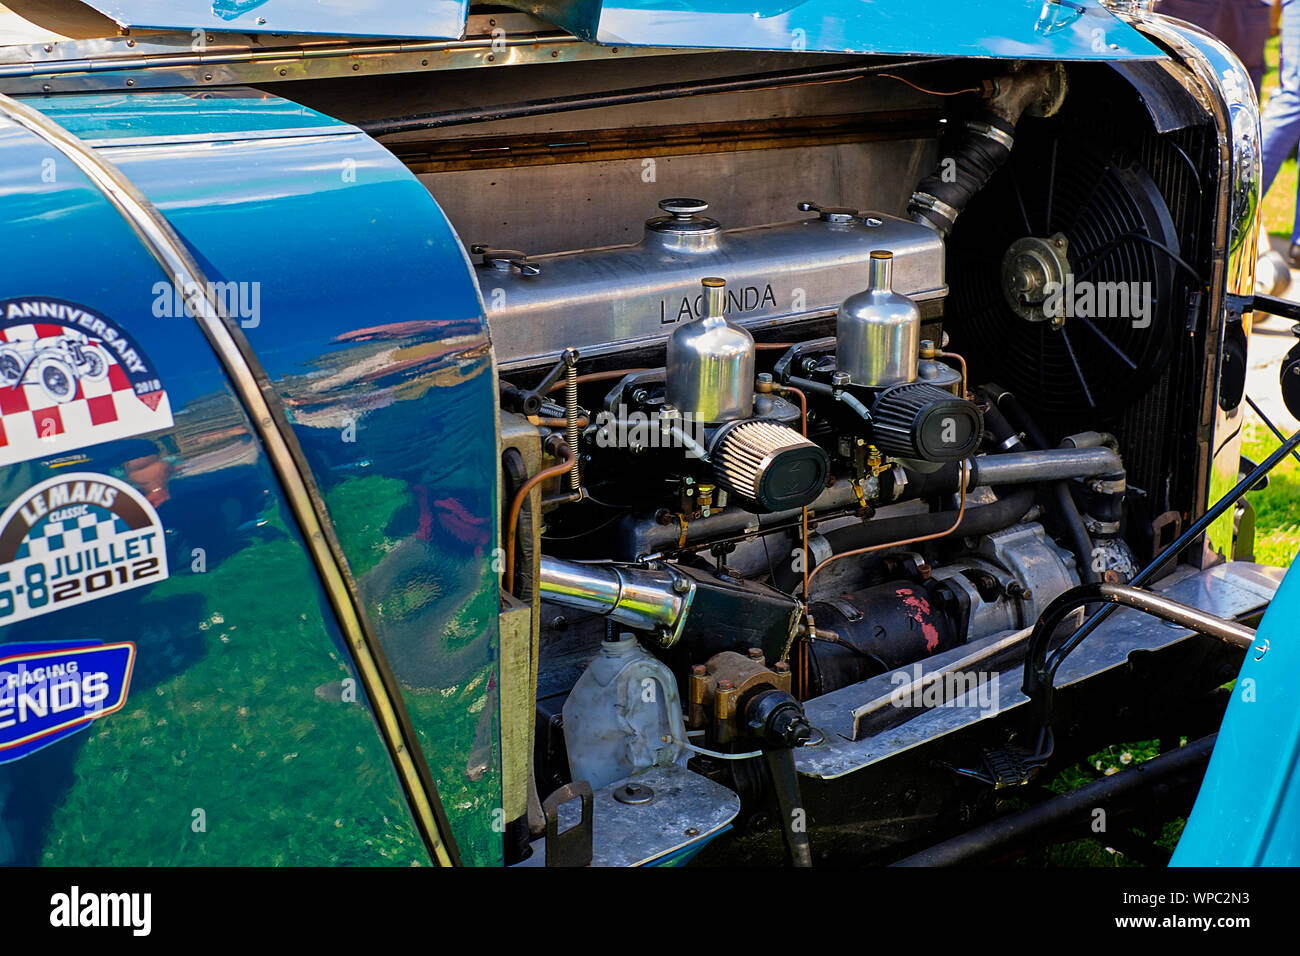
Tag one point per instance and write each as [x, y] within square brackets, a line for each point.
[503, 260]
[573, 846]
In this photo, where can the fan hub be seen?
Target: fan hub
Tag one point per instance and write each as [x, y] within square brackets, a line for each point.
[1031, 267]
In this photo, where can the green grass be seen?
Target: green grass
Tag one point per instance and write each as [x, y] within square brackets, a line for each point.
[1094, 851]
[1277, 507]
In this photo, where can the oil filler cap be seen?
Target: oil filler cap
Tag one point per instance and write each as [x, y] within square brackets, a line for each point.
[684, 218]
[923, 422]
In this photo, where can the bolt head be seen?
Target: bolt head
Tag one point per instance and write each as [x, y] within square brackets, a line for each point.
[725, 684]
[755, 653]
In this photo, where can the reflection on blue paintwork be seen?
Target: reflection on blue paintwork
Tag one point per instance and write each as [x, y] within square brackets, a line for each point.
[209, 115]
[371, 329]
[1031, 29]
[246, 737]
[1028, 29]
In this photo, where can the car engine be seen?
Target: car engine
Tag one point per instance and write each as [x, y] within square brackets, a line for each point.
[749, 465]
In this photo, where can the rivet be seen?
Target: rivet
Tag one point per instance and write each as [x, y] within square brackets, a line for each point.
[356, 66]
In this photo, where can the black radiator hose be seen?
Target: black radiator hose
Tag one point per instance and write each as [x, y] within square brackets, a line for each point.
[941, 197]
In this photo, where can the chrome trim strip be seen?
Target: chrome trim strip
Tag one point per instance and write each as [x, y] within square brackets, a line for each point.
[177, 60]
[1215, 77]
[258, 396]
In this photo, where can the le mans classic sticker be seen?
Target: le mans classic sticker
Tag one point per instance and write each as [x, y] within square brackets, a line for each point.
[76, 538]
[70, 377]
[49, 691]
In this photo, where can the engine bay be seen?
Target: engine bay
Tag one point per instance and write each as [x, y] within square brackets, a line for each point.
[783, 420]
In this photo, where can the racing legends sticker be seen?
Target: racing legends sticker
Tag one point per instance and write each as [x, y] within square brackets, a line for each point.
[69, 377]
[76, 538]
[49, 691]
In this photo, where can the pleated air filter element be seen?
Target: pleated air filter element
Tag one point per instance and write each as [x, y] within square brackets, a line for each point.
[769, 466]
[920, 421]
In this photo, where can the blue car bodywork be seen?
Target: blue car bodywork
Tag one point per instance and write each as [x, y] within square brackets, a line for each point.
[245, 707]
[1248, 810]
[415, 523]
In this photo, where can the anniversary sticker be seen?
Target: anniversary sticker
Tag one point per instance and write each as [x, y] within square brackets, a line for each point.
[70, 377]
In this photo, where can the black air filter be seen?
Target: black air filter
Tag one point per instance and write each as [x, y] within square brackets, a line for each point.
[925, 422]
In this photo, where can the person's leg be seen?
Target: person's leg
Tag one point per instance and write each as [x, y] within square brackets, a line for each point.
[1280, 119]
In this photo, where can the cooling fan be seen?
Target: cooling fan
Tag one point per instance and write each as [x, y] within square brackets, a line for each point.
[1058, 212]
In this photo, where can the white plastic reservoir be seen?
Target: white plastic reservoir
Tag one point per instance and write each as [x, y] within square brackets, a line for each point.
[623, 716]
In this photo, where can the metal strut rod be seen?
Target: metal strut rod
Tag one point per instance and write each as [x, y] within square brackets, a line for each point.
[1193, 532]
[1170, 779]
[1038, 671]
